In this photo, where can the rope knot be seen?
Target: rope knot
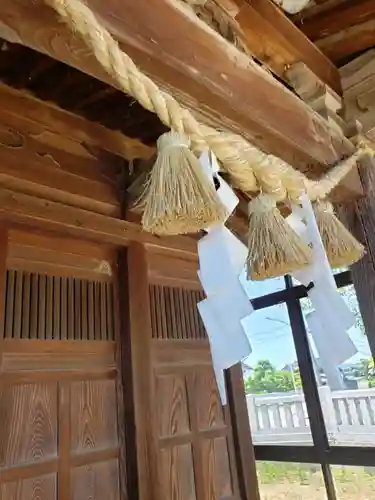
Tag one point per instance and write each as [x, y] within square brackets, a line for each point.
[324, 206]
[261, 204]
[172, 140]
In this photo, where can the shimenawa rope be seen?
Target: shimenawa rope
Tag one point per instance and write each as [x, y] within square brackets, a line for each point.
[251, 169]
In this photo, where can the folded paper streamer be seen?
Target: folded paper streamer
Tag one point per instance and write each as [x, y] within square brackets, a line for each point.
[220, 381]
[221, 259]
[338, 351]
[224, 192]
[228, 341]
[332, 317]
[330, 353]
[220, 315]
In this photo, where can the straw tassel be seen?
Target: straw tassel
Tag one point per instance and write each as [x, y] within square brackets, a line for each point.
[341, 247]
[178, 197]
[274, 248]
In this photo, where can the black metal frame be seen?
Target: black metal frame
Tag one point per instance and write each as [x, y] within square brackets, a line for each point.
[320, 452]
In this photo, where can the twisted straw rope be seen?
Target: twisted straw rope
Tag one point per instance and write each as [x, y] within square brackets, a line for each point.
[251, 170]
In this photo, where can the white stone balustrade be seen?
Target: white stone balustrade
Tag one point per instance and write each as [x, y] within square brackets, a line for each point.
[282, 418]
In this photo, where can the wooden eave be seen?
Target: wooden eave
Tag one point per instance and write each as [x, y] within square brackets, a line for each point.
[206, 73]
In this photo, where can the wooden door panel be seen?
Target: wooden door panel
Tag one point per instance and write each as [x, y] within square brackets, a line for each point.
[177, 471]
[94, 413]
[97, 481]
[35, 488]
[209, 410]
[28, 416]
[173, 413]
[193, 433]
[216, 469]
[58, 390]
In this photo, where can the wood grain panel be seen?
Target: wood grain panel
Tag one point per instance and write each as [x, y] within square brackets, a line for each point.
[36, 488]
[40, 171]
[93, 410]
[210, 412]
[177, 471]
[217, 474]
[99, 481]
[34, 438]
[172, 405]
[173, 271]
[170, 355]
[59, 256]
[33, 355]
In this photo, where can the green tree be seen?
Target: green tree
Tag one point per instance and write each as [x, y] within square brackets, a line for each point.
[371, 374]
[265, 378]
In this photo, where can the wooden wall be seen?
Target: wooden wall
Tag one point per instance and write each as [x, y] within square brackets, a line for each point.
[106, 382]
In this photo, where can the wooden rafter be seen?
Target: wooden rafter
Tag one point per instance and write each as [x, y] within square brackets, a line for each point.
[340, 28]
[273, 39]
[195, 64]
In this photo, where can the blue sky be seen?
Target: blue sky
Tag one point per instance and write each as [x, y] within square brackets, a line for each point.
[269, 332]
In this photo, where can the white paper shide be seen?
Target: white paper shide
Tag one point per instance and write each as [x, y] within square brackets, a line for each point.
[221, 260]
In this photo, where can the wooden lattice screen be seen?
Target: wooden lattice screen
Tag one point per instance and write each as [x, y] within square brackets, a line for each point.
[51, 307]
[174, 313]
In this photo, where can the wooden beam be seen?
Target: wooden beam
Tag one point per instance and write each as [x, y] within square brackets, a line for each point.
[358, 80]
[53, 177]
[336, 17]
[49, 216]
[64, 131]
[342, 29]
[199, 67]
[273, 39]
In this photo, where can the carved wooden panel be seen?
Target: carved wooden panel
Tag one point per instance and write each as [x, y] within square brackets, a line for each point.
[51, 307]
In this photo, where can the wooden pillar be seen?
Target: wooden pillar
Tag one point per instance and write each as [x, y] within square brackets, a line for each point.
[134, 340]
[242, 440]
[358, 80]
[360, 218]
